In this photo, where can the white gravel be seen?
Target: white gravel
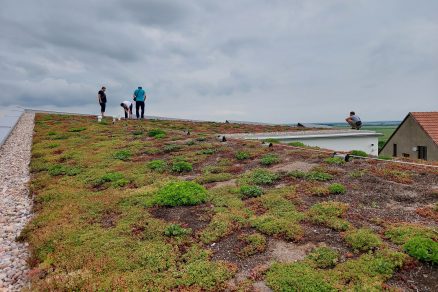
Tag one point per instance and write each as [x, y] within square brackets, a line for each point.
[15, 204]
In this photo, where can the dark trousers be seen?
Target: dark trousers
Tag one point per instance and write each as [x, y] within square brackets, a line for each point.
[129, 111]
[139, 104]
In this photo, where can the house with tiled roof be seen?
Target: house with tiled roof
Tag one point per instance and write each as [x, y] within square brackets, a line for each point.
[416, 137]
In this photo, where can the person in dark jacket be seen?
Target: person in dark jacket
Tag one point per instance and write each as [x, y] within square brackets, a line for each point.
[101, 97]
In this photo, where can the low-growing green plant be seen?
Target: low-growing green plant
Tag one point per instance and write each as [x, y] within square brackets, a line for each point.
[334, 160]
[171, 148]
[201, 139]
[180, 193]
[213, 169]
[160, 136]
[157, 165]
[359, 153]
[124, 155]
[324, 257]
[329, 213]
[52, 145]
[181, 166]
[208, 151]
[423, 249]
[214, 177]
[296, 277]
[269, 159]
[76, 130]
[320, 191]
[248, 191]
[156, 132]
[357, 173]
[337, 189]
[318, 175]
[385, 157]
[254, 243]
[176, 230]
[190, 143]
[362, 239]
[368, 272]
[115, 178]
[274, 225]
[137, 132]
[58, 169]
[263, 177]
[220, 225]
[242, 155]
[401, 233]
[271, 140]
[296, 144]
[60, 137]
[297, 174]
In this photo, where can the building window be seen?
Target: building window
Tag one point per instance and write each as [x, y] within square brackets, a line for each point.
[394, 150]
[422, 152]
[405, 155]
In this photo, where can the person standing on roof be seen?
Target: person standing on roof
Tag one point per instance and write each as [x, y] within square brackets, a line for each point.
[101, 97]
[139, 98]
[354, 121]
[127, 108]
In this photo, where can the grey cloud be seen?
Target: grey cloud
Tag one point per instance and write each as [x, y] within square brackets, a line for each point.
[261, 60]
[158, 13]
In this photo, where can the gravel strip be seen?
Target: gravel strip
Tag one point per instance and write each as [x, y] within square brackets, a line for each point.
[15, 204]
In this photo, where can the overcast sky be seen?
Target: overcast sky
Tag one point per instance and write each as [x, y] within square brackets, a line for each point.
[256, 60]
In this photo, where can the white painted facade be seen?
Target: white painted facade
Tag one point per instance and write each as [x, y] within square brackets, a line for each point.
[367, 144]
[337, 140]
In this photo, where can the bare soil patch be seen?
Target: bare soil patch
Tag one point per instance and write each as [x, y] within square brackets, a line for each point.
[320, 235]
[277, 250]
[416, 277]
[109, 219]
[228, 183]
[194, 217]
[294, 165]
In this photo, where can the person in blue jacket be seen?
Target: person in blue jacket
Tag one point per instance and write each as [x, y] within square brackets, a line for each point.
[139, 98]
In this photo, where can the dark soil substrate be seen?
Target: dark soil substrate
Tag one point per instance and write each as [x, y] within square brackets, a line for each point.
[324, 235]
[109, 219]
[228, 249]
[416, 277]
[194, 217]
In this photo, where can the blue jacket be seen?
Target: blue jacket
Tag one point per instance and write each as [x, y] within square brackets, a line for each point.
[139, 94]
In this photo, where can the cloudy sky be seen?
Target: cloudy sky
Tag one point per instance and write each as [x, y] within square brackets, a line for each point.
[256, 60]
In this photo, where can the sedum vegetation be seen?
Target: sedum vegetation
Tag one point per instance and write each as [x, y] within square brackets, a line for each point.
[141, 206]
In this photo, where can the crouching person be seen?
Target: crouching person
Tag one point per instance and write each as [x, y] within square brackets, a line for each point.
[127, 107]
[354, 121]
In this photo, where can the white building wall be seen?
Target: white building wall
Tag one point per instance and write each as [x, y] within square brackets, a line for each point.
[367, 144]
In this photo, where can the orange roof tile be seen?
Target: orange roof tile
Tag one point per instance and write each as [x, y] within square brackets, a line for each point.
[429, 122]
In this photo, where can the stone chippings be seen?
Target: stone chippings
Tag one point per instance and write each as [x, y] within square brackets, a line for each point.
[15, 204]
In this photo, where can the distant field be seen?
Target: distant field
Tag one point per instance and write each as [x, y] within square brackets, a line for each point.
[385, 130]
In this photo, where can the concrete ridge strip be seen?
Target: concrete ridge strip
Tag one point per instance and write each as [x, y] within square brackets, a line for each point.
[8, 123]
[146, 117]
